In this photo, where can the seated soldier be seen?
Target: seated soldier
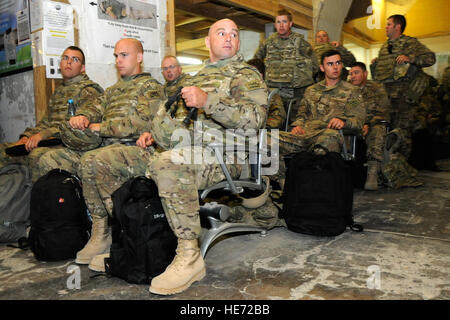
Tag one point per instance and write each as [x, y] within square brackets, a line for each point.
[76, 86]
[327, 107]
[116, 118]
[374, 129]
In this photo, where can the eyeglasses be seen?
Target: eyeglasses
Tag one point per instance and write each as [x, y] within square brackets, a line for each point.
[170, 67]
[74, 59]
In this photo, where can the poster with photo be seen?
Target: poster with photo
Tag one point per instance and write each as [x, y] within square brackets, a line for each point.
[15, 43]
[113, 20]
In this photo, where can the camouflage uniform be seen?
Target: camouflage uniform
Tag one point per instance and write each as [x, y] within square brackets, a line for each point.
[124, 111]
[378, 108]
[319, 105]
[290, 66]
[277, 114]
[404, 83]
[81, 90]
[171, 87]
[237, 98]
[347, 57]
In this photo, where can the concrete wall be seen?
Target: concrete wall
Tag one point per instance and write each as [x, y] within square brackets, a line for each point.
[16, 105]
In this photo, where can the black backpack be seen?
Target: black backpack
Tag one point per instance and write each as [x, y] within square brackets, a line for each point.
[60, 223]
[318, 194]
[143, 244]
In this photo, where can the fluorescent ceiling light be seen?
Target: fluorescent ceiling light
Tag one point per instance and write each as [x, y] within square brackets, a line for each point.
[187, 60]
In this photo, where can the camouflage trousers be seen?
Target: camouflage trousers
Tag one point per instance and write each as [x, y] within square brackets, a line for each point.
[375, 141]
[329, 139]
[178, 183]
[31, 160]
[102, 171]
[402, 115]
[287, 95]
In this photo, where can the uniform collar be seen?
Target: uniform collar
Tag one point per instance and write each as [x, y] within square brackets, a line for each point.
[325, 88]
[75, 79]
[221, 63]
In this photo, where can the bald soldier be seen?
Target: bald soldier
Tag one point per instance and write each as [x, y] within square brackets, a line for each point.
[117, 117]
[77, 86]
[228, 93]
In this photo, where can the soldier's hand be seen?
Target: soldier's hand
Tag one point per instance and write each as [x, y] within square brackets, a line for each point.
[365, 130]
[95, 126]
[297, 130]
[336, 124]
[145, 140]
[194, 97]
[33, 141]
[402, 59]
[334, 43]
[79, 122]
[22, 140]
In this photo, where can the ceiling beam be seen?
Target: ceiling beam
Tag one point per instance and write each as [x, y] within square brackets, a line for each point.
[210, 12]
[189, 21]
[301, 13]
[190, 44]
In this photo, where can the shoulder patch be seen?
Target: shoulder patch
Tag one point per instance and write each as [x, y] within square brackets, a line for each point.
[253, 85]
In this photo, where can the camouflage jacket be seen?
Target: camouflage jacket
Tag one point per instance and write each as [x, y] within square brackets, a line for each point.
[347, 57]
[237, 98]
[377, 102]
[80, 89]
[388, 70]
[124, 109]
[171, 86]
[277, 114]
[290, 62]
[321, 104]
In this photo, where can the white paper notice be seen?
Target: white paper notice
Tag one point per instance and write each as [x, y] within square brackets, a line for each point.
[58, 34]
[112, 20]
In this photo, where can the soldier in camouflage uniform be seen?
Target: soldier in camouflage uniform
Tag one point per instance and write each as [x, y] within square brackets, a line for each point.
[174, 77]
[118, 117]
[228, 93]
[323, 45]
[374, 129]
[326, 108]
[76, 86]
[277, 114]
[289, 60]
[399, 67]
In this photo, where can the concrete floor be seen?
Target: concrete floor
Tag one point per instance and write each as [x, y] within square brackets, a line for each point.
[404, 253]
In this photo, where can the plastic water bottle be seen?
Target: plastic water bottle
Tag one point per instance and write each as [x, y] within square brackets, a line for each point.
[70, 108]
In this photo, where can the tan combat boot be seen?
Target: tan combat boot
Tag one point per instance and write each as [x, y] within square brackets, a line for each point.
[187, 267]
[372, 176]
[99, 242]
[98, 262]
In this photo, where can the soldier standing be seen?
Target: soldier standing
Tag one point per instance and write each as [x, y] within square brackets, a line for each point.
[117, 117]
[399, 67]
[76, 86]
[323, 45]
[374, 129]
[228, 93]
[289, 60]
